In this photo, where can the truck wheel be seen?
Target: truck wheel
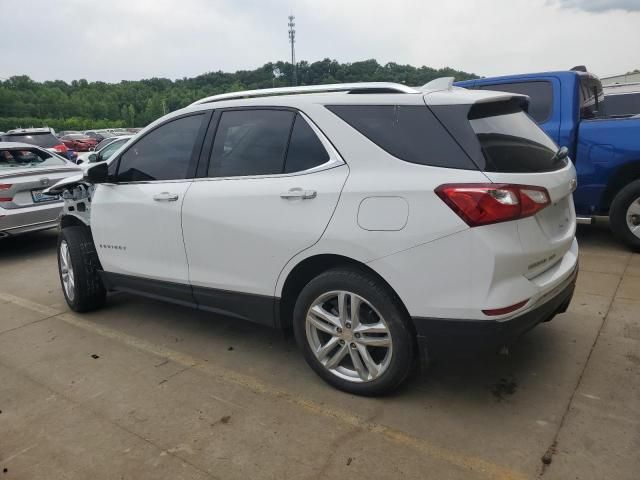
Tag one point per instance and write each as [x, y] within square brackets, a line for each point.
[624, 215]
[78, 266]
[354, 333]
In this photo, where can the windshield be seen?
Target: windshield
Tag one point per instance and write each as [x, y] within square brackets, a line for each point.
[45, 140]
[28, 157]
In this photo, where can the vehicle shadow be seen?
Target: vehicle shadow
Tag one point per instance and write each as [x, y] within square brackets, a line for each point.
[481, 379]
[28, 245]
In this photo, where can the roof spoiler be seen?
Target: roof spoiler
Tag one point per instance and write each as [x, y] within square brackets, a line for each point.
[438, 84]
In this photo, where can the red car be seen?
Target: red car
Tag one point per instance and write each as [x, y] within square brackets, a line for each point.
[79, 142]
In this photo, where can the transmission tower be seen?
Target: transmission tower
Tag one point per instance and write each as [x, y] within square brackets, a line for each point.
[292, 41]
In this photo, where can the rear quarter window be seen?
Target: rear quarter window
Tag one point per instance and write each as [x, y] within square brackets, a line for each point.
[408, 132]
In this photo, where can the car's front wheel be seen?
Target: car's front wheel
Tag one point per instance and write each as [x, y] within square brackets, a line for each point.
[354, 332]
[78, 266]
[624, 215]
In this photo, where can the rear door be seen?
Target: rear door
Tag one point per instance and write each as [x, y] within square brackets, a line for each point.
[271, 186]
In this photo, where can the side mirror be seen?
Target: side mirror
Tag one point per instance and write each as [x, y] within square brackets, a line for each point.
[79, 162]
[98, 173]
[93, 158]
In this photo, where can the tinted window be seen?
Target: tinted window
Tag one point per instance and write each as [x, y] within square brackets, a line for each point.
[410, 133]
[540, 96]
[591, 97]
[45, 140]
[305, 149]
[162, 154]
[250, 142]
[27, 157]
[511, 141]
[622, 104]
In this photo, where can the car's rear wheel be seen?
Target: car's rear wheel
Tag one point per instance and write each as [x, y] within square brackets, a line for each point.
[624, 215]
[354, 332]
[78, 266]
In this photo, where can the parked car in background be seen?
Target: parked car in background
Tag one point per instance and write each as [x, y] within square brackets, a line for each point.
[98, 135]
[104, 150]
[62, 133]
[346, 211]
[79, 142]
[41, 137]
[25, 171]
[571, 108]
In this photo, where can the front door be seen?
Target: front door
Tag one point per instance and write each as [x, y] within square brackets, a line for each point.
[135, 221]
[271, 188]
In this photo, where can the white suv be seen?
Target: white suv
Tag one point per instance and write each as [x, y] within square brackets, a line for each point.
[379, 221]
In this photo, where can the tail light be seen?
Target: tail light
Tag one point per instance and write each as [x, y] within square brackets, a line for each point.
[5, 186]
[60, 148]
[486, 203]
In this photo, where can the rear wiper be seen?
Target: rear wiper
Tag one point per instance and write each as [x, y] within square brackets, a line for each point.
[561, 154]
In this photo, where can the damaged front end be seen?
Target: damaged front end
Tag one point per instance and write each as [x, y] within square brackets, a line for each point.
[77, 192]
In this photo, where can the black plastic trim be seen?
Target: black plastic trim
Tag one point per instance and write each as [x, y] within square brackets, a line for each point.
[260, 309]
[444, 337]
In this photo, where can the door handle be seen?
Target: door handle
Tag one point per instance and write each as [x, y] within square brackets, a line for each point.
[165, 197]
[299, 193]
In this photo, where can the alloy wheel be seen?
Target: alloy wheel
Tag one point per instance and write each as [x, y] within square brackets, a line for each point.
[348, 336]
[633, 217]
[66, 271]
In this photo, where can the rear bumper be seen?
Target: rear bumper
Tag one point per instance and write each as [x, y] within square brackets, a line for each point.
[29, 219]
[441, 337]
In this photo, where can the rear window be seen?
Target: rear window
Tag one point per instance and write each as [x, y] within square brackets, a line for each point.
[540, 96]
[45, 140]
[500, 137]
[511, 141]
[410, 133]
[622, 104]
[27, 157]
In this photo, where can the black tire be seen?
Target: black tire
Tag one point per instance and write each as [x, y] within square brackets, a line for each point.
[618, 215]
[382, 299]
[88, 292]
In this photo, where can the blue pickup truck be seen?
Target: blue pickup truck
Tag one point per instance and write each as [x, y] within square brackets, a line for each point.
[570, 107]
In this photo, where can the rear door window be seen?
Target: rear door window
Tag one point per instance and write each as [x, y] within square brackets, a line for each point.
[540, 95]
[409, 132]
[305, 148]
[250, 142]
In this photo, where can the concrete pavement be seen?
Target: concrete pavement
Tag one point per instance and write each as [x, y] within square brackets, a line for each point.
[143, 389]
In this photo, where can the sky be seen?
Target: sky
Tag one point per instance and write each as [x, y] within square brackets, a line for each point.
[113, 40]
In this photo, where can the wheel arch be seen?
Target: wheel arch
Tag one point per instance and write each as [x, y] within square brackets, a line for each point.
[70, 220]
[623, 176]
[309, 268]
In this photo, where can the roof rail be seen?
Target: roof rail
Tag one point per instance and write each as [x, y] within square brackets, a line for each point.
[363, 87]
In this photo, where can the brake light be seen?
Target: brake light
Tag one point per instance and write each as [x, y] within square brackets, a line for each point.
[5, 186]
[505, 310]
[486, 203]
[60, 148]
